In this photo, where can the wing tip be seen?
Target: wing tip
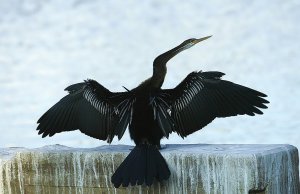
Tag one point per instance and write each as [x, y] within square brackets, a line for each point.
[75, 87]
[212, 74]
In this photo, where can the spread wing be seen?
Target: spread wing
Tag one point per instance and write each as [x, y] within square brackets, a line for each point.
[200, 98]
[92, 109]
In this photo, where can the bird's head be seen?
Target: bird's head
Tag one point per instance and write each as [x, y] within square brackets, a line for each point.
[165, 57]
[190, 42]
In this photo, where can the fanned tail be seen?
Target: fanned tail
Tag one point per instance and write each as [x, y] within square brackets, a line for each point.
[143, 164]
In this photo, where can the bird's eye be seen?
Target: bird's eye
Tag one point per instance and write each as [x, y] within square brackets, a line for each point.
[189, 41]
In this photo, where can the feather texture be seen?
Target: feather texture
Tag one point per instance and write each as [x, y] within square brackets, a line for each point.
[200, 98]
[92, 109]
[144, 164]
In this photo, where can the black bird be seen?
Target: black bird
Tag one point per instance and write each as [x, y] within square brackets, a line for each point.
[151, 113]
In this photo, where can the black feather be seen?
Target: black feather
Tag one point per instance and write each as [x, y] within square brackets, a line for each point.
[144, 164]
[203, 96]
[78, 111]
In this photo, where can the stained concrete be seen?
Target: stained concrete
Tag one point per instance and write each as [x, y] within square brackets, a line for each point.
[202, 169]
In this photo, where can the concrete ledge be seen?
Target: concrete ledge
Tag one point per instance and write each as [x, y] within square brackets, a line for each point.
[217, 169]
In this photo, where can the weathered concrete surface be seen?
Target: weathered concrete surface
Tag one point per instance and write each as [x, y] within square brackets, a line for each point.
[217, 169]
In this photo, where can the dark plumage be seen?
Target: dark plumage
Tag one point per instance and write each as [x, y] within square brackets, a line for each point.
[151, 113]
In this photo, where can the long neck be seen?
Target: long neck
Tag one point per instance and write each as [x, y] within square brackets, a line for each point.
[160, 66]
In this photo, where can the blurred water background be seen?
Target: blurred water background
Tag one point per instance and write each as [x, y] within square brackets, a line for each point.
[46, 45]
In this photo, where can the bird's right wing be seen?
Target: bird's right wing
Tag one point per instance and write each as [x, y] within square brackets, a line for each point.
[200, 98]
[92, 109]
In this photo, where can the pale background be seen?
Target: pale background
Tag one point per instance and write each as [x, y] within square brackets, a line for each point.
[46, 45]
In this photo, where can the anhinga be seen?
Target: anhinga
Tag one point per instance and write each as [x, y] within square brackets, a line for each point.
[151, 113]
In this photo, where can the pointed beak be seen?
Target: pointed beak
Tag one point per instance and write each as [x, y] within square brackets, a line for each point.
[201, 39]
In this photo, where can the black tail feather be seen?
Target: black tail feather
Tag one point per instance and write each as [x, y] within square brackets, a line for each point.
[143, 164]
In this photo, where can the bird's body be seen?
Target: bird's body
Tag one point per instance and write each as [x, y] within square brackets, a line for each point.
[143, 128]
[151, 113]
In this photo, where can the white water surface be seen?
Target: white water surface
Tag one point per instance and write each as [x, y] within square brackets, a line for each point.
[46, 45]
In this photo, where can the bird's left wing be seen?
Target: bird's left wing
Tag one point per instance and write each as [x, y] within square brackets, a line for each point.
[200, 98]
[92, 109]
